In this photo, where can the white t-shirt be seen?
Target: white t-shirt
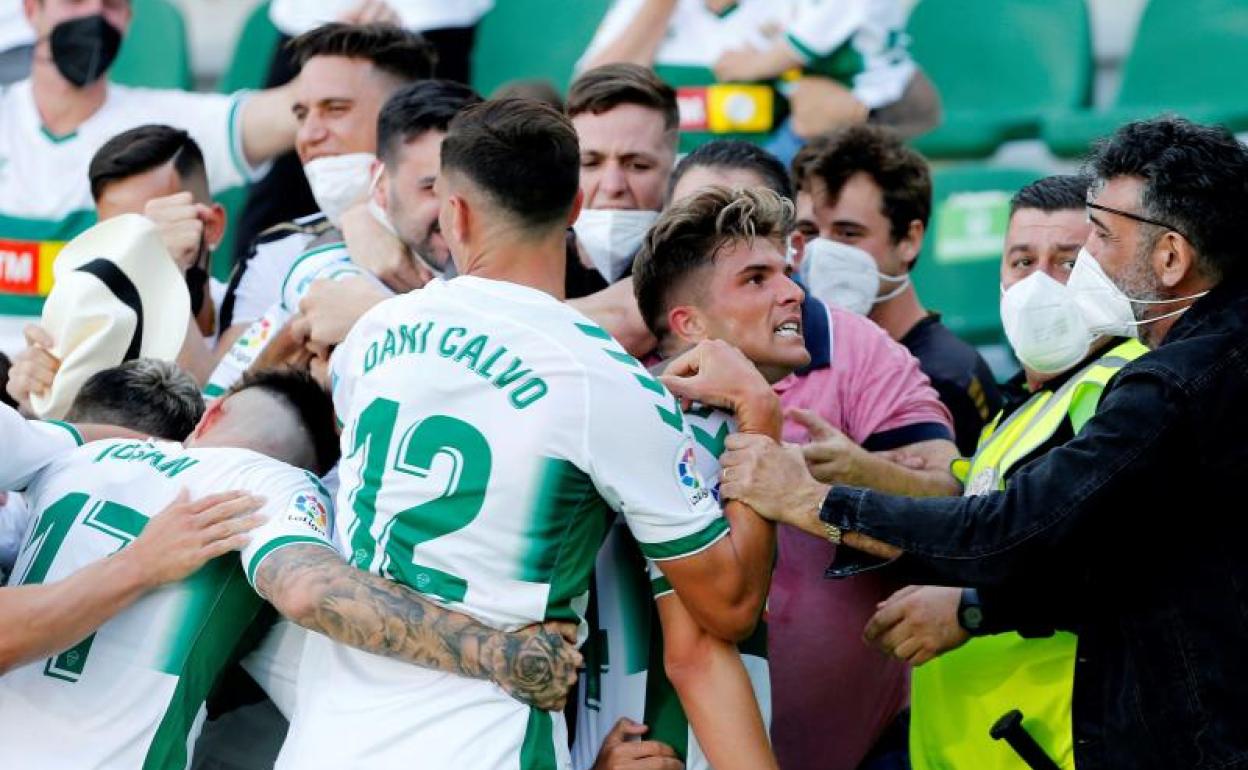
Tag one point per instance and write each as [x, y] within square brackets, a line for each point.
[294, 17]
[858, 42]
[131, 694]
[489, 432]
[45, 195]
[624, 674]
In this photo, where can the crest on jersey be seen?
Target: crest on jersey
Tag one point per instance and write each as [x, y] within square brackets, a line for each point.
[257, 334]
[307, 509]
[687, 473]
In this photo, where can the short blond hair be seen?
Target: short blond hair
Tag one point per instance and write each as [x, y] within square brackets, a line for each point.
[689, 235]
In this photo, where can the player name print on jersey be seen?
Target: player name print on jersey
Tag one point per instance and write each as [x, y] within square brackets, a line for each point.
[489, 360]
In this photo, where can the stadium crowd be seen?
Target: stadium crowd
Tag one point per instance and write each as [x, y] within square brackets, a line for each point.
[519, 438]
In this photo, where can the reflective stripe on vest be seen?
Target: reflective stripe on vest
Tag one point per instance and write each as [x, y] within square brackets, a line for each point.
[956, 698]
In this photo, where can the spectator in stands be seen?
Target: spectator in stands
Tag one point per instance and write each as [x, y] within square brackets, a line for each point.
[626, 121]
[283, 195]
[851, 53]
[53, 123]
[160, 172]
[350, 72]
[17, 41]
[867, 189]
[1155, 465]
[956, 698]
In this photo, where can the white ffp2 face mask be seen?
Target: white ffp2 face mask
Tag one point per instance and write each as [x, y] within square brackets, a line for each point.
[1043, 324]
[339, 182]
[1106, 309]
[612, 237]
[840, 275]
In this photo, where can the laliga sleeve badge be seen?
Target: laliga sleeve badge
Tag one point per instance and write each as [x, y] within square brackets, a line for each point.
[308, 510]
[982, 483]
[687, 475]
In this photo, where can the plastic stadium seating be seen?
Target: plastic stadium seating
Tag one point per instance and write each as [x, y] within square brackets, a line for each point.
[155, 53]
[1000, 66]
[1188, 58]
[533, 39]
[959, 271]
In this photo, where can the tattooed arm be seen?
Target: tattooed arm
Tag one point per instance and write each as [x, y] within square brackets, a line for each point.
[314, 587]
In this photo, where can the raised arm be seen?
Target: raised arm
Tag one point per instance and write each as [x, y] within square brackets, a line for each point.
[314, 587]
[268, 125]
[41, 620]
[639, 39]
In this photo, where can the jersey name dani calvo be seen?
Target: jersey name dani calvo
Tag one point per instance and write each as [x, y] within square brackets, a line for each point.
[490, 431]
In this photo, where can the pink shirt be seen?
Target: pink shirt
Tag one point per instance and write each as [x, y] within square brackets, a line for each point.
[832, 696]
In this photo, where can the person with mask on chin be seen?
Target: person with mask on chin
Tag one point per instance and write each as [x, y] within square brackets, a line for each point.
[862, 186]
[52, 123]
[968, 675]
[346, 74]
[1122, 533]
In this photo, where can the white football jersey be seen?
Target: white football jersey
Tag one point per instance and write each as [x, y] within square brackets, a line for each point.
[131, 694]
[624, 675]
[490, 431]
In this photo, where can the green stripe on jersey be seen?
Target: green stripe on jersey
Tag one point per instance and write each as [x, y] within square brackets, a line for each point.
[72, 430]
[567, 523]
[538, 750]
[687, 545]
[215, 628]
[275, 544]
[64, 229]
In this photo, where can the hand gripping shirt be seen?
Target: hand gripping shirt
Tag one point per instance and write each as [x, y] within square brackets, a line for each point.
[490, 431]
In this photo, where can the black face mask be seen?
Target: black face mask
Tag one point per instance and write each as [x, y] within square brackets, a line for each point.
[197, 279]
[84, 48]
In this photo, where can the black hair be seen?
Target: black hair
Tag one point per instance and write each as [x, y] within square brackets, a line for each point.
[5, 365]
[142, 149]
[309, 400]
[1195, 180]
[426, 105]
[153, 397]
[405, 55]
[736, 155]
[523, 154]
[1061, 192]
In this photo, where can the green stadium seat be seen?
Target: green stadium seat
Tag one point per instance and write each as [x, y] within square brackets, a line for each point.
[155, 53]
[515, 41]
[959, 271]
[249, 66]
[1000, 66]
[1188, 58]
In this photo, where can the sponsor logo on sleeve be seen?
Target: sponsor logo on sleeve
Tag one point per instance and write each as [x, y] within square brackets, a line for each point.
[687, 474]
[307, 509]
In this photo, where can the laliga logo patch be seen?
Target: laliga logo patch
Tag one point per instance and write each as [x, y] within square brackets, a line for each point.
[257, 334]
[308, 509]
[687, 472]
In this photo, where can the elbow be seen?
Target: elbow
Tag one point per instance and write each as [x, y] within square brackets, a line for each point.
[299, 603]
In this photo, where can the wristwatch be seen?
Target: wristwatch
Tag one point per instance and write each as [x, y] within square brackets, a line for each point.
[832, 533]
[970, 611]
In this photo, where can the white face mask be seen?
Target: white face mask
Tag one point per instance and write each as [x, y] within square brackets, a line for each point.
[846, 276]
[1106, 308]
[339, 182]
[612, 238]
[1043, 324]
[840, 275]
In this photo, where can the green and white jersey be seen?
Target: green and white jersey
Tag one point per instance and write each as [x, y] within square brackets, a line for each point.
[30, 445]
[45, 196]
[860, 43]
[624, 675]
[490, 431]
[330, 262]
[131, 695]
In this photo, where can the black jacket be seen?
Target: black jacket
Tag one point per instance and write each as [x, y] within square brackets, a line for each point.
[1139, 525]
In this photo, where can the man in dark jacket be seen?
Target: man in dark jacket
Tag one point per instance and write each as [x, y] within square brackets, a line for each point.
[1133, 526]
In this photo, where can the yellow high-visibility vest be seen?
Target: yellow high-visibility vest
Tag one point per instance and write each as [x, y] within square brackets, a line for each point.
[957, 697]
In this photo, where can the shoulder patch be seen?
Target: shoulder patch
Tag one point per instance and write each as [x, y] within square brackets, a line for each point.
[309, 510]
[688, 476]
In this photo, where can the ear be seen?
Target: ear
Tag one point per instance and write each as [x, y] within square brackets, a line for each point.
[687, 323]
[214, 225]
[1175, 261]
[797, 242]
[908, 247]
[577, 202]
[380, 190]
[31, 8]
[462, 217]
[212, 415]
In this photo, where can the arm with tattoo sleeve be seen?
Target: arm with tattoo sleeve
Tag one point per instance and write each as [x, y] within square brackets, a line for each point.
[314, 587]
